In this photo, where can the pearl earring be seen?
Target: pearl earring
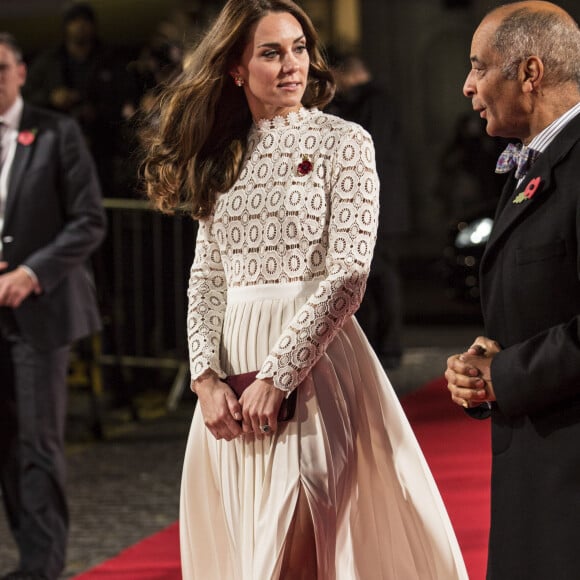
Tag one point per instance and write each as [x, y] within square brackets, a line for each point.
[239, 81]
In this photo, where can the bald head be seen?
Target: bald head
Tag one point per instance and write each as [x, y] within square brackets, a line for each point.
[531, 9]
[540, 29]
[532, 6]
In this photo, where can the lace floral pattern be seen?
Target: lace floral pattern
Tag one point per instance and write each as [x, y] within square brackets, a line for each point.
[279, 225]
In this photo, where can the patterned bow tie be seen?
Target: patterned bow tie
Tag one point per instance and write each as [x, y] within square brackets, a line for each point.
[518, 156]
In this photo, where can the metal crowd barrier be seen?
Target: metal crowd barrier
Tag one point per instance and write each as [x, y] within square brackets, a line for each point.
[142, 272]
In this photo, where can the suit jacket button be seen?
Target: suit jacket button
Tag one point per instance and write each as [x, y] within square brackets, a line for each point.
[7, 239]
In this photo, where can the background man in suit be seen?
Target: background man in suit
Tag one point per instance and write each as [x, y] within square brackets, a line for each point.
[86, 79]
[525, 82]
[51, 220]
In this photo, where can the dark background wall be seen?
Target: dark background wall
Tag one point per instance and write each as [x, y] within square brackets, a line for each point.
[36, 23]
[420, 50]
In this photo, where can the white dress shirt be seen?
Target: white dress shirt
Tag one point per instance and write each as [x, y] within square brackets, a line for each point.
[9, 135]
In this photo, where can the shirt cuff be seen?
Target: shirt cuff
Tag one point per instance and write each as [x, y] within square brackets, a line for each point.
[33, 277]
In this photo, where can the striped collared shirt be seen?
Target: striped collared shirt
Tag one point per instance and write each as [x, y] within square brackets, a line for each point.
[541, 141]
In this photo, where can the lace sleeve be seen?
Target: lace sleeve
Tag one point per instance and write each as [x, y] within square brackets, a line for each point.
[207, 295]
[352, 230]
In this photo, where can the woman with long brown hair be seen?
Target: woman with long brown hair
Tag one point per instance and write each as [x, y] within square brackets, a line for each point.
[312, 471]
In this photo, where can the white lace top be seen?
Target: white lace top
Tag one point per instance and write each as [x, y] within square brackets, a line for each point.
[304, 208]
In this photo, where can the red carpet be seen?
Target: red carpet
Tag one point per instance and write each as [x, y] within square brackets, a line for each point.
[155, 558]
[457, 449]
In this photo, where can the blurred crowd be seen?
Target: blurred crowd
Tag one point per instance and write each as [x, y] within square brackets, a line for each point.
[104, 87]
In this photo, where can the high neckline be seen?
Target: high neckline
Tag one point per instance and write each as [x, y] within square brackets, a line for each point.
[292, 119]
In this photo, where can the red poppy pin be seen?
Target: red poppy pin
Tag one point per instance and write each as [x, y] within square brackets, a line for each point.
[530, 190]
[26, 137]
[305, 167]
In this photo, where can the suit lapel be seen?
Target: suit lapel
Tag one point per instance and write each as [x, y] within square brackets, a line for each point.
[21, 161]
[509, 214]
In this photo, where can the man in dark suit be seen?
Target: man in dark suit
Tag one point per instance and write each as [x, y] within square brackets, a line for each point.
[51, 220]
[526, 372]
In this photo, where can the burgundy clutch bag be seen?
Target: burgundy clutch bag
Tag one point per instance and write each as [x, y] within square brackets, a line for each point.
[239, 383]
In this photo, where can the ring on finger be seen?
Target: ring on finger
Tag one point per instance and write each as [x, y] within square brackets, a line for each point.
[265, 428]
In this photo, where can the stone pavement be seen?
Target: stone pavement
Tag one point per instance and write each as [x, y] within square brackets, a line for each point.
[126, 487]
[121, 489]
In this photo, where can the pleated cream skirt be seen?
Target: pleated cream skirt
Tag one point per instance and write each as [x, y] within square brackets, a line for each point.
[376, 510]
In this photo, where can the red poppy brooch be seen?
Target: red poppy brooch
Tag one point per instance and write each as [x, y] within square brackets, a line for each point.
[530, 190]
[305, 166]
[26, 137]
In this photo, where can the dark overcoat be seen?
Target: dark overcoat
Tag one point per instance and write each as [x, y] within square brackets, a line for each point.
[531, 304]
[53, 221]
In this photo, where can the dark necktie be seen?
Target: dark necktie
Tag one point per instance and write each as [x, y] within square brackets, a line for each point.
[518, 156]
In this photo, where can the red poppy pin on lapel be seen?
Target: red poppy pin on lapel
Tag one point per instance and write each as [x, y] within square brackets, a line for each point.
[26, 137]
[305, 167]
[530, 190]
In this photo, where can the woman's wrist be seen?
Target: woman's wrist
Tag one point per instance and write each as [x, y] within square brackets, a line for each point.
[207, 375]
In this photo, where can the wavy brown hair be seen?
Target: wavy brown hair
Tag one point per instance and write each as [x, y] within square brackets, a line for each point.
[195, 136]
